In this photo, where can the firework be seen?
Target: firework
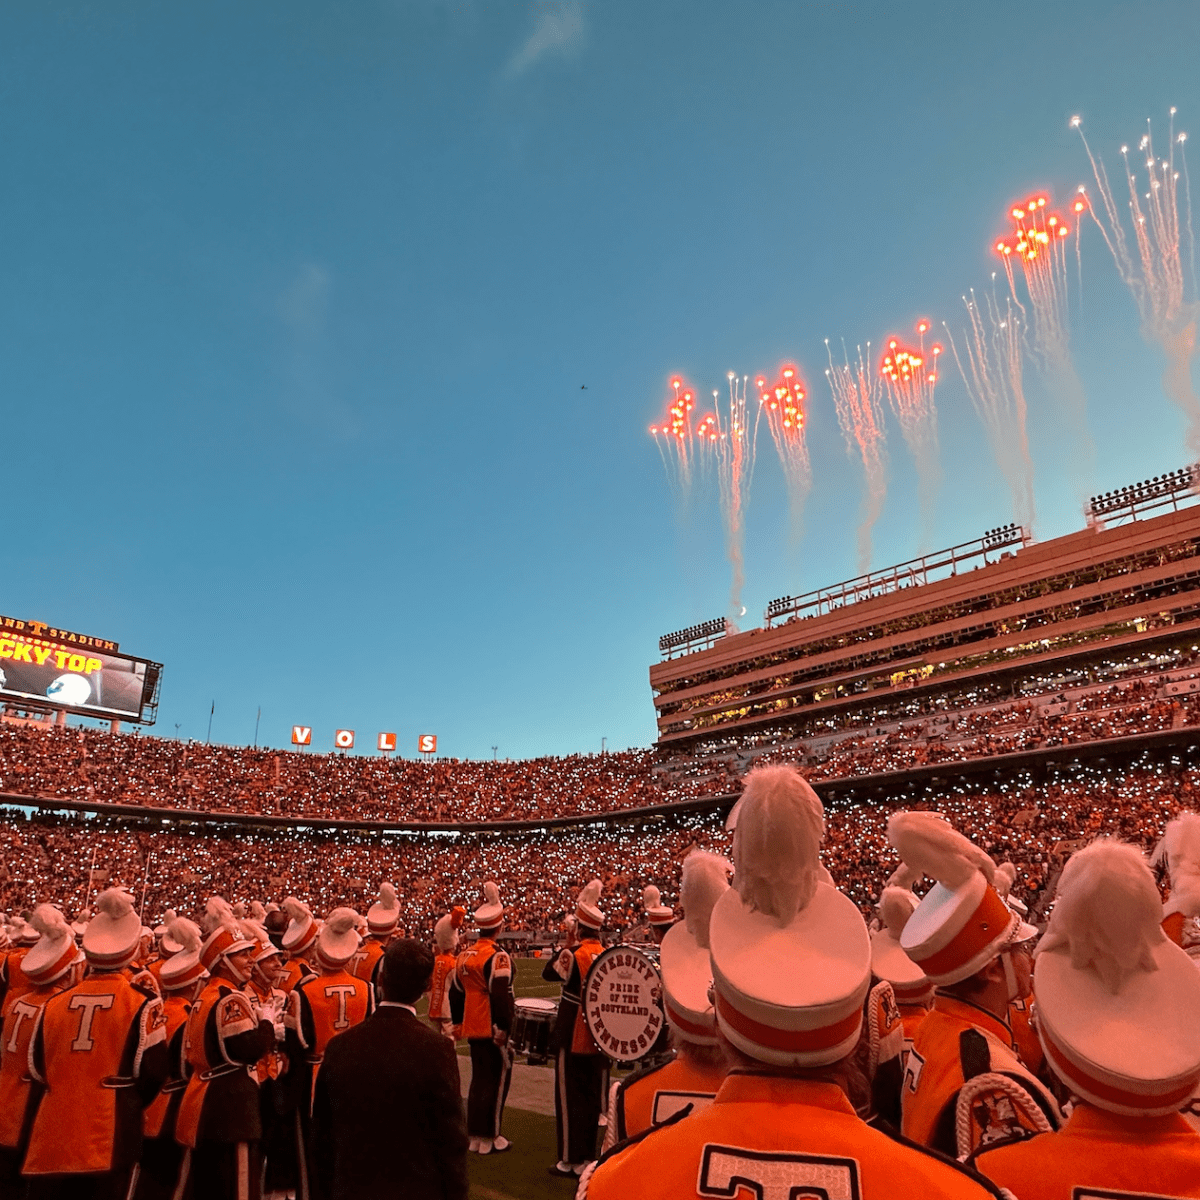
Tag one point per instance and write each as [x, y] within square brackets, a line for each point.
[728, 442]
[909, 375]
[1156, 275]
[782, 405]
[674, 436]
[994, 383]
[856, 397]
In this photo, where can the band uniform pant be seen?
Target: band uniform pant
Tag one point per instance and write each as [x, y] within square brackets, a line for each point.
[104, 1185]
[580, 1084]
[221, 1171]
[491, 1073]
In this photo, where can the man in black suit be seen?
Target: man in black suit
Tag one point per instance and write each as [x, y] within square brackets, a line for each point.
[388, 1115]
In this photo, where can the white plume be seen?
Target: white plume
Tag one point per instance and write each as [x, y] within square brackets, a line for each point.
[239, 910]
[258, 914]
[930, 844]
[590, 896]
[387, 897]
[297, 910]
[705, 881]
[651, 897]
[341, 921]
[1181, 846]
[896, 905]
[1006, 876]
[114, 903]
[445, 934]
[184, 933]
[777, 842]
[49, 922]
[1107, 913]
[217, 913]
[491, 893]
[903, 876]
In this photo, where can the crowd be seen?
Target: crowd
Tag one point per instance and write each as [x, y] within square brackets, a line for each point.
[1032, 824]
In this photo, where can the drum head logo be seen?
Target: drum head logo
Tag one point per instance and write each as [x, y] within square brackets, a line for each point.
[622, 1003]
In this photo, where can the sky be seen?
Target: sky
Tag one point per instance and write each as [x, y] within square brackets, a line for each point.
[330, 335]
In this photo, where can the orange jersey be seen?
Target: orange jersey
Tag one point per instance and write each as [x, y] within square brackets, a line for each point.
[439, 991]
[648, 1098]
[88, 1049]
[20, 1019]
[485, 973]
[1024, 1031]
[175, 1009]
[273, 1063]
[911, 1016]
[13, 981]
[957, 1045]
[321, 1008]
[572, 967]
[366, 960]
[297, 969]
[1099, 1154]
[776, 1138]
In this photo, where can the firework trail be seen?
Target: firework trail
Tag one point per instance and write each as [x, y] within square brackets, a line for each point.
[993, 381]
[1156, 276]
[674, 437]
[1037, 245]
[728, 441]
[910, 377]
[856, 398]
[782, 404]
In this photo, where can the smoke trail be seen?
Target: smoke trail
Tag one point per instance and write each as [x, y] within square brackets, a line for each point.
[1156, 276]
[783, 405]
[856, 398]
[994, 384]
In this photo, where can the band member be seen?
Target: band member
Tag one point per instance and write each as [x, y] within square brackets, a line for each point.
[975, 950]
[691, 1077]
[382, 919]
[22, 938]
[580, 1069]
[484, 975]
[1104, 965]
[445, 935]
[298, 940]
[52, 965]
[219, 1123]
[100, 1050]
[659, 916]
[181, 980]
[791, 969]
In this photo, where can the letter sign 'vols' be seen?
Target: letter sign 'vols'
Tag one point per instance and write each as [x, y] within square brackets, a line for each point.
[427, 743]
[387, 741]
[301, 735]
[344, 739]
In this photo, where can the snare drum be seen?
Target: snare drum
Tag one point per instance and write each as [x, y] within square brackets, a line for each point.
[533, 1019]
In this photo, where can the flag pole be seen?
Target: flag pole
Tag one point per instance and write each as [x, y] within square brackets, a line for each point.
[145, 885]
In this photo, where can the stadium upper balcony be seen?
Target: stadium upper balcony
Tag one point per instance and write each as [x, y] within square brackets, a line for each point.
[1109, 585]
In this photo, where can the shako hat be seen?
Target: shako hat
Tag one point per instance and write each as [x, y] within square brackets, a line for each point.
[657, 913]
[683, 957]
[1180, 850]
[184, 967]
[166, 942]
[264, 948]
[1116, 998]
[222, 934]
[445, 932]
[338, 940]
[302, 926]
[587, 906]
[113, 935]
[80, 924]
[26, 934]
[384, 915]
[791, 959]
[491, 912]
[888, 960]
[961, 924]
[55, 951]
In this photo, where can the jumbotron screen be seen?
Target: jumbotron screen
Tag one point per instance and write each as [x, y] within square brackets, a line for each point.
[82, 679]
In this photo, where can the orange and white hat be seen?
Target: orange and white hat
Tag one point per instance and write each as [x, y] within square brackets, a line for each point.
[910, 984]
[791, 958]
[384, 915]
[445, 932]
[222, 934]
[302, 928]
[264, 948]
[1116, 998]
[55, 952]
[338, 941]
[962, 923]
[683, 957]
[1180, 850]
[25, 934]
[660, 915]
[587, 906]
[114, 934]
[491, 912]
[166, 943]
[184, 967]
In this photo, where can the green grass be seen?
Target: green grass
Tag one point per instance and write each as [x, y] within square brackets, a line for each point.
[521, 1173]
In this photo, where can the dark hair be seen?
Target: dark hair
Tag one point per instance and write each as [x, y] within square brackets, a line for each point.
[276, 924]
[407, 971]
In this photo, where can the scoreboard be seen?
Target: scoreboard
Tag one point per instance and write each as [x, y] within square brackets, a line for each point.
[44, 667]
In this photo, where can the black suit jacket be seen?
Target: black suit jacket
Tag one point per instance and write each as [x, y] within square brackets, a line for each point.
[388, 1116]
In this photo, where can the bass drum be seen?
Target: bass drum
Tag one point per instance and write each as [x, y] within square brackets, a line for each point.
[533, 1020]
[622, 1003]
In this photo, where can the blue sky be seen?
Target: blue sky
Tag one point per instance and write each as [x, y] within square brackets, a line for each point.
[297, 299]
